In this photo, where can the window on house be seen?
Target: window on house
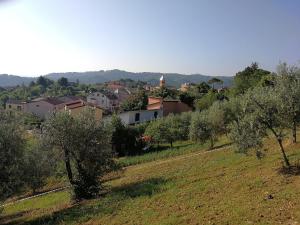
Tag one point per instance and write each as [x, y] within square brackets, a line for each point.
[98, 94]
[37, 105]
[9, 106]
[137, 117]
[19, 107]
[155, 114]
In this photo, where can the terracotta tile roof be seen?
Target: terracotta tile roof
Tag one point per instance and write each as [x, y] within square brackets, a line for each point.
[53, 101]
[70, 98]
[78, 104]
[14, 101]
[58, 100]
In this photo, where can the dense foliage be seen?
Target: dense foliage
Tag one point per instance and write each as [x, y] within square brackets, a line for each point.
[248, 78]
[137, 101]
[85, 147]
[12, 145]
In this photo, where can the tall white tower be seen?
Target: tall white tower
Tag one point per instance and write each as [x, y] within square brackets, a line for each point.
[162, 81]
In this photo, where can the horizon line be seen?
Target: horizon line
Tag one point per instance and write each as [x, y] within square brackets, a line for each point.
[107, 70]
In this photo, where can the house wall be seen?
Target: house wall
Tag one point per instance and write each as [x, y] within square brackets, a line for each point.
[154, 106]
[170, 107]
[175, 107]
[41, 109]
[152, 100]
[101, 100]
[78, 110]
[144, 116]
[11, 106]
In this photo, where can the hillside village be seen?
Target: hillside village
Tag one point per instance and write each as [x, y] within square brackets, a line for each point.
[105, 102]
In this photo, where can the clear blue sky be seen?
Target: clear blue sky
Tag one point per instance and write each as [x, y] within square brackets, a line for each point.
[214, 37]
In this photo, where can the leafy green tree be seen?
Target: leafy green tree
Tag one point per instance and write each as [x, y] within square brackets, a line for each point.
[207, 125]
[12, 145]
[44, 82]
[173, 129]
[202, 88]
[249, 78]
[187, 98]
[37, 166]
[63, 82]
[32, 83]
[118, 138]
[263, 114]
[206, 101]
[200, 129]
[247, 134]
[165, 93]
[169, 129]
[158, 131]
[185, 122]
[85, 144]
[287, 84]
[232, 110]
[137, 101]
[214, 81]
[126, 140]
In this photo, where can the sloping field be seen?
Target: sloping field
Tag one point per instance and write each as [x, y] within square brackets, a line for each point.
[217, 187]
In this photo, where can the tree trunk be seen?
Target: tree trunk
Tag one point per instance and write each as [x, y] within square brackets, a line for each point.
[286, 160]
[171, 143]
[68, 167]
[294, 130]
[211, 143]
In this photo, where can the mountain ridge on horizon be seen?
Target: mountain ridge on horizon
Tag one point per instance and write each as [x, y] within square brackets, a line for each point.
[101, 76]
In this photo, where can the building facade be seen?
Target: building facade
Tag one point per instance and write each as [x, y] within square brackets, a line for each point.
[138, 116]
[17, 105]
[75, 108]
[167, 106]
[105, 100]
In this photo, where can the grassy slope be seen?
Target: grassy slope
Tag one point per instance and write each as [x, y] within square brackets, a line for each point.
[219, 187]
[179, 148]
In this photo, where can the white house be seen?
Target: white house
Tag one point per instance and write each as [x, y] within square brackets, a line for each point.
[140, 116]
[105, 100]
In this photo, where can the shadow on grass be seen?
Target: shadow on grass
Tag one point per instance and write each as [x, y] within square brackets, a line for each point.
[293, 170]
[166, 147]
[10, 217]
[220, 146]
[109, 204]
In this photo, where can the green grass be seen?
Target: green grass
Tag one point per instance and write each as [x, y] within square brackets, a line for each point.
[179, 148]
[219, 187]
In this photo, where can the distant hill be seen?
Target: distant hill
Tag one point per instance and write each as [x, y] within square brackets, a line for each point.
[172, 79]
[11, 80]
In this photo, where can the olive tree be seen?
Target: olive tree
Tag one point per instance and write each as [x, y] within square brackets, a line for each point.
[38, 165]
[264, 114]
[12, 144]
[160, 131]
[287, 85]
[207, 125]
[85, 147]
[169, 129]
[200, 129]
